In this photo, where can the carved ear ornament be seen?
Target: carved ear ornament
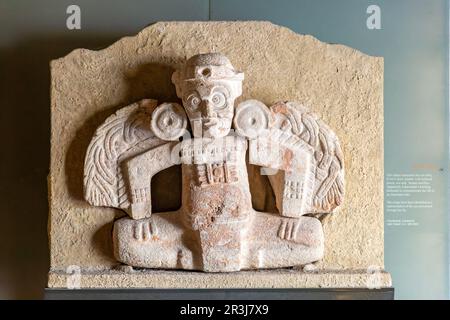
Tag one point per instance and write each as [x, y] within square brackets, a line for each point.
[251, 118]
[169, 121]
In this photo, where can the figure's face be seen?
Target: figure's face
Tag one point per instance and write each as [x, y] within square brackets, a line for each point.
[210, 108]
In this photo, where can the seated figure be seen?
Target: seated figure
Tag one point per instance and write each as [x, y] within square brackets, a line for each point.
[216, 229]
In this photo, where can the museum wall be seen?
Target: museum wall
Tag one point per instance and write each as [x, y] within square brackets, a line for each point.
[413, 40]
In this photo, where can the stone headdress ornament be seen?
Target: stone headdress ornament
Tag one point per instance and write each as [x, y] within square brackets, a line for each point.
[206, 68]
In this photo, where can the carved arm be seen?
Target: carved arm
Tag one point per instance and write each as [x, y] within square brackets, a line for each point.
[140, 171]
[279, 149]
[294, 192]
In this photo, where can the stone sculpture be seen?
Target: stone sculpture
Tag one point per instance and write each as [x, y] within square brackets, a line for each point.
[216, 229]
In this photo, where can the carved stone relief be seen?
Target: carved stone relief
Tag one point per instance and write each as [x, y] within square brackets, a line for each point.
[216, 229]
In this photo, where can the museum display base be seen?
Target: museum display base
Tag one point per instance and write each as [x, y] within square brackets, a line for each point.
[221, 294]
[262, 284]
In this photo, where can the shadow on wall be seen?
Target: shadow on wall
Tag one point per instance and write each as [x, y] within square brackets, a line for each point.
[25, 128]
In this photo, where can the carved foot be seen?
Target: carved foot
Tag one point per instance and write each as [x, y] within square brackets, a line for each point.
[145, 230]
[305, 231]
[288, 229]
[285, 242]
[157, 242]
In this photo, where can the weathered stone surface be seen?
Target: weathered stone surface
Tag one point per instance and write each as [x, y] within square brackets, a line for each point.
[341, 85]
[165, 242]
[244, 279]
[216, 229]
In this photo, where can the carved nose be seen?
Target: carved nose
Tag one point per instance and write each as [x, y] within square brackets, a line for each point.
[207, 109]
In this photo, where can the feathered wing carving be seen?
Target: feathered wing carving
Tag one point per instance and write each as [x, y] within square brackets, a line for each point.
[327, 160]
[122, 136]
[307, 151]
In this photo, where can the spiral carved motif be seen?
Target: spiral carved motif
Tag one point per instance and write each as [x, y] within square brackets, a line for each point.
[251, 118]
[169, 121]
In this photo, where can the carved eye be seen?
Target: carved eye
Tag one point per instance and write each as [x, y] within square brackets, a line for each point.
[193, 101]
[219, 100]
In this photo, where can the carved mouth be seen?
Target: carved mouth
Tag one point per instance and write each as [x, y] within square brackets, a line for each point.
[209, 122]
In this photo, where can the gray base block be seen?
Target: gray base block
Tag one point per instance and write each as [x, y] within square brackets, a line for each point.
[220, 294]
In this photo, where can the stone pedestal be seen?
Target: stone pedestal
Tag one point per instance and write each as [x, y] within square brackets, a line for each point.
[220, 294]
[280, 278]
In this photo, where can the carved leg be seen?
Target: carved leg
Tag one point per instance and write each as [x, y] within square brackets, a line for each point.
[221, 246]
[276, 242]
[155, 242]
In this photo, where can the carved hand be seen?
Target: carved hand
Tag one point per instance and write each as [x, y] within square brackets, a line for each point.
[140, 210]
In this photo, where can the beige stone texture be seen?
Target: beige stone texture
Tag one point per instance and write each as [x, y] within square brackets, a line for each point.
[342, 85]
[159, 279]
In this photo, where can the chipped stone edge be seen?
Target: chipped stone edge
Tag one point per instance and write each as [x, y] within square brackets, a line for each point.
[124, 39]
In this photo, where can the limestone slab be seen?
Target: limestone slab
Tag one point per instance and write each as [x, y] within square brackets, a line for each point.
[342, 85]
